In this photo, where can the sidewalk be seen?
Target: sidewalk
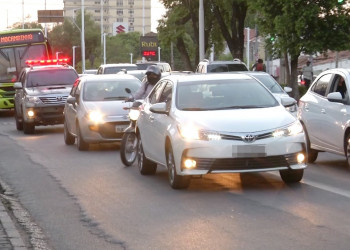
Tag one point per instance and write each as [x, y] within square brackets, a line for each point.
[10, 238]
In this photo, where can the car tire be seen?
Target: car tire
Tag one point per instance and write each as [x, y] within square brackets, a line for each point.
[82, 145]
[292, 176]
[311, 153]
[19, 125]
[146, 167]
[128, 149]
[348, 150]
[176, 181]
[28, 128]
[69, 139]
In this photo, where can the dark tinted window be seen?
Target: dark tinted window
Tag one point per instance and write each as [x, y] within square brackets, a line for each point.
[320, 87]
[113, 70]
[144, 66]
[51, 77]
[270, 83]
[226, 67]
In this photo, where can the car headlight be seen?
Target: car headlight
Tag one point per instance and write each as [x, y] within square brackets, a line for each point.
[134, 114]
[95, 116]
[293, 108]
[190, 132]
[294, 129]
[33, 99]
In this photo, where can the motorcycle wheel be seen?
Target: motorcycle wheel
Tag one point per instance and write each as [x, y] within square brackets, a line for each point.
[128, 150]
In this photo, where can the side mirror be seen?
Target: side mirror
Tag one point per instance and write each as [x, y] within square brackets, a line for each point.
[17, 85]
[287, 89]
[288, 101]
[71, 100]
[335, 97]
[159, 108]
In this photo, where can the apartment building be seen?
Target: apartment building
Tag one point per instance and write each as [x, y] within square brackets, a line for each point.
[114, 15]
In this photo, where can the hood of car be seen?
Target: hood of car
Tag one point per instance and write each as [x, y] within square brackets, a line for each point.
[108, 108]
[238, 120]
[48, 90]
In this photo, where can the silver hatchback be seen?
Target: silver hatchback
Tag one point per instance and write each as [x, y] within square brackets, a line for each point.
[94, 111]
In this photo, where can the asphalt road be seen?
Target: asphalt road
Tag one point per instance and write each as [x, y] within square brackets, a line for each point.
[89, 200]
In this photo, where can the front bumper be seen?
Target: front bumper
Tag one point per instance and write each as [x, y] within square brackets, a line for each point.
[48, 115]
[228, 156]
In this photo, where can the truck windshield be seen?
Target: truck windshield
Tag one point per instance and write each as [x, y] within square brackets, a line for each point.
[12, 60]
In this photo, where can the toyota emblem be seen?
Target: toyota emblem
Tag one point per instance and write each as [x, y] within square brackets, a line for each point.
[249, 138]
[59, 98]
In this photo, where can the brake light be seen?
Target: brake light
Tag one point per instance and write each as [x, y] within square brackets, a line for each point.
[47, 62]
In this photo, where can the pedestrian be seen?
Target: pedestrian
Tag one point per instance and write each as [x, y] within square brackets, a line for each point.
[259, 65]
[307, 74]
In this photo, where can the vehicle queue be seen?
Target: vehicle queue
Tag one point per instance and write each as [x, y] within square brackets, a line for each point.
[202, 123]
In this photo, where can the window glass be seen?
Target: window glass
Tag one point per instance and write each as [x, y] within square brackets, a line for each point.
[156, 92]
[166, 95]
[51, 77]
[320, 87]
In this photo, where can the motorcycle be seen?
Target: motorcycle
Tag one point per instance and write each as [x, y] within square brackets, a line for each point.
[129, 144]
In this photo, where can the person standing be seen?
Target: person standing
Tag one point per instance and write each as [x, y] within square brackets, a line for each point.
[259, 65]
[307, 74]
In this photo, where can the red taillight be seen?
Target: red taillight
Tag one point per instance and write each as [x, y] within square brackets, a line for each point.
[302, 82]
[47, 62]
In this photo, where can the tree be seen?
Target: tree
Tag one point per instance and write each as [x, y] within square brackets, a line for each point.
[299, 26]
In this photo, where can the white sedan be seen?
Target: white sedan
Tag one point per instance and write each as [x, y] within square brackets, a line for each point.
[94, 111]
[218, 123]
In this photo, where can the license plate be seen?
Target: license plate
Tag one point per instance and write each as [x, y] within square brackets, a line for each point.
[248, 151]
[120, 128]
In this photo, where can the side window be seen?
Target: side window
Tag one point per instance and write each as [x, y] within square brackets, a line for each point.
[22, 77]
[156, 92]
[166, 95]
[99, 71]
[339, 85]
[75, 86]
[320, 87]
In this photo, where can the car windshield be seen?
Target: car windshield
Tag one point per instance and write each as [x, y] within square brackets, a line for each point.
[226, 67]
[223, 94]
[103, 90]
[270, 83]
[51, 77]
[113, 70]
[144, 66]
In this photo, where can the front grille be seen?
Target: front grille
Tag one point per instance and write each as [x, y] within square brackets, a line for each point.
[108, 130]
[240, 137]
[7, 91]
[237, 164]
[54, 99]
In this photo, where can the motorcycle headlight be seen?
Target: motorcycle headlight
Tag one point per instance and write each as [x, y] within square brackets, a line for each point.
[33, 99]
[294, 129]
[134, 114]
[193, 133]
[95, 116]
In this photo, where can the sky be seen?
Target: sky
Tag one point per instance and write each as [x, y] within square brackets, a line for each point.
[11, 11]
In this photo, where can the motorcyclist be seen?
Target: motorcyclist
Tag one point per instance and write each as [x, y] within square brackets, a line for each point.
[153, 75]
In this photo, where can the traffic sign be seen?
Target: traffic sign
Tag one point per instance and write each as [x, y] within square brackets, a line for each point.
[50, 16]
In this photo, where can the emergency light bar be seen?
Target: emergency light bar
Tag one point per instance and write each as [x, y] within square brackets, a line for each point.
[47, 62]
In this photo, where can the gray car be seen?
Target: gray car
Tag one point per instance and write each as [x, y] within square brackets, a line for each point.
[94, 111]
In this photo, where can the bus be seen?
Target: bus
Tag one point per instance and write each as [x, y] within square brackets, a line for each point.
[17, 46]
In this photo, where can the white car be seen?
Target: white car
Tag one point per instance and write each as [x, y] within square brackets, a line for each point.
[324, 112]
[218, 123]
[94, 111]
[275, 88]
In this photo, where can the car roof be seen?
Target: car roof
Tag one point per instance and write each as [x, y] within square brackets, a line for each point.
[203, 77]
[106, 77]
[117, 65]
[48, 67]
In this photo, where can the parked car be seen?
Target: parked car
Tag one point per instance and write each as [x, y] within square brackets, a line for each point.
[275, 88]
[40, 94]
[114, 68]
[206, 66]
[324, 113]
[218, 123]
[94, 111]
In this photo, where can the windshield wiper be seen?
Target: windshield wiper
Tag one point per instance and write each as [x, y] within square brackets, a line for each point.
[193, 109]
[5, 56]
[241, 107]
[115, 97]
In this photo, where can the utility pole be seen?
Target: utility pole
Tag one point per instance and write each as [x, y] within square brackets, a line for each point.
[82, 36]
[201, 31]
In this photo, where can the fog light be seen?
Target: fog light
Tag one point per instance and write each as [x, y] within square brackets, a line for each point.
[301, 158]
[30, 113]
[188, 163]
[93, 128]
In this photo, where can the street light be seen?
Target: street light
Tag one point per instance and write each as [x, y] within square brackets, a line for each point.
[74, 55]
[158, 54]
[130, 57]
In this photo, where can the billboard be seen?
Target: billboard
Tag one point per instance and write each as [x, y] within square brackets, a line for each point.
[50, 16]
[149, 47]
[119, 27]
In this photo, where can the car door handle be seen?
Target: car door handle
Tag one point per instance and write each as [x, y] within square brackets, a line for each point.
[306, 107]
[323, 111]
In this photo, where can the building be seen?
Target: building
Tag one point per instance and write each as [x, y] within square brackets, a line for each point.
[131, 15]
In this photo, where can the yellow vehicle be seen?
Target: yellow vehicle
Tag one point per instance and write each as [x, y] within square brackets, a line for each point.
[17, 46]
